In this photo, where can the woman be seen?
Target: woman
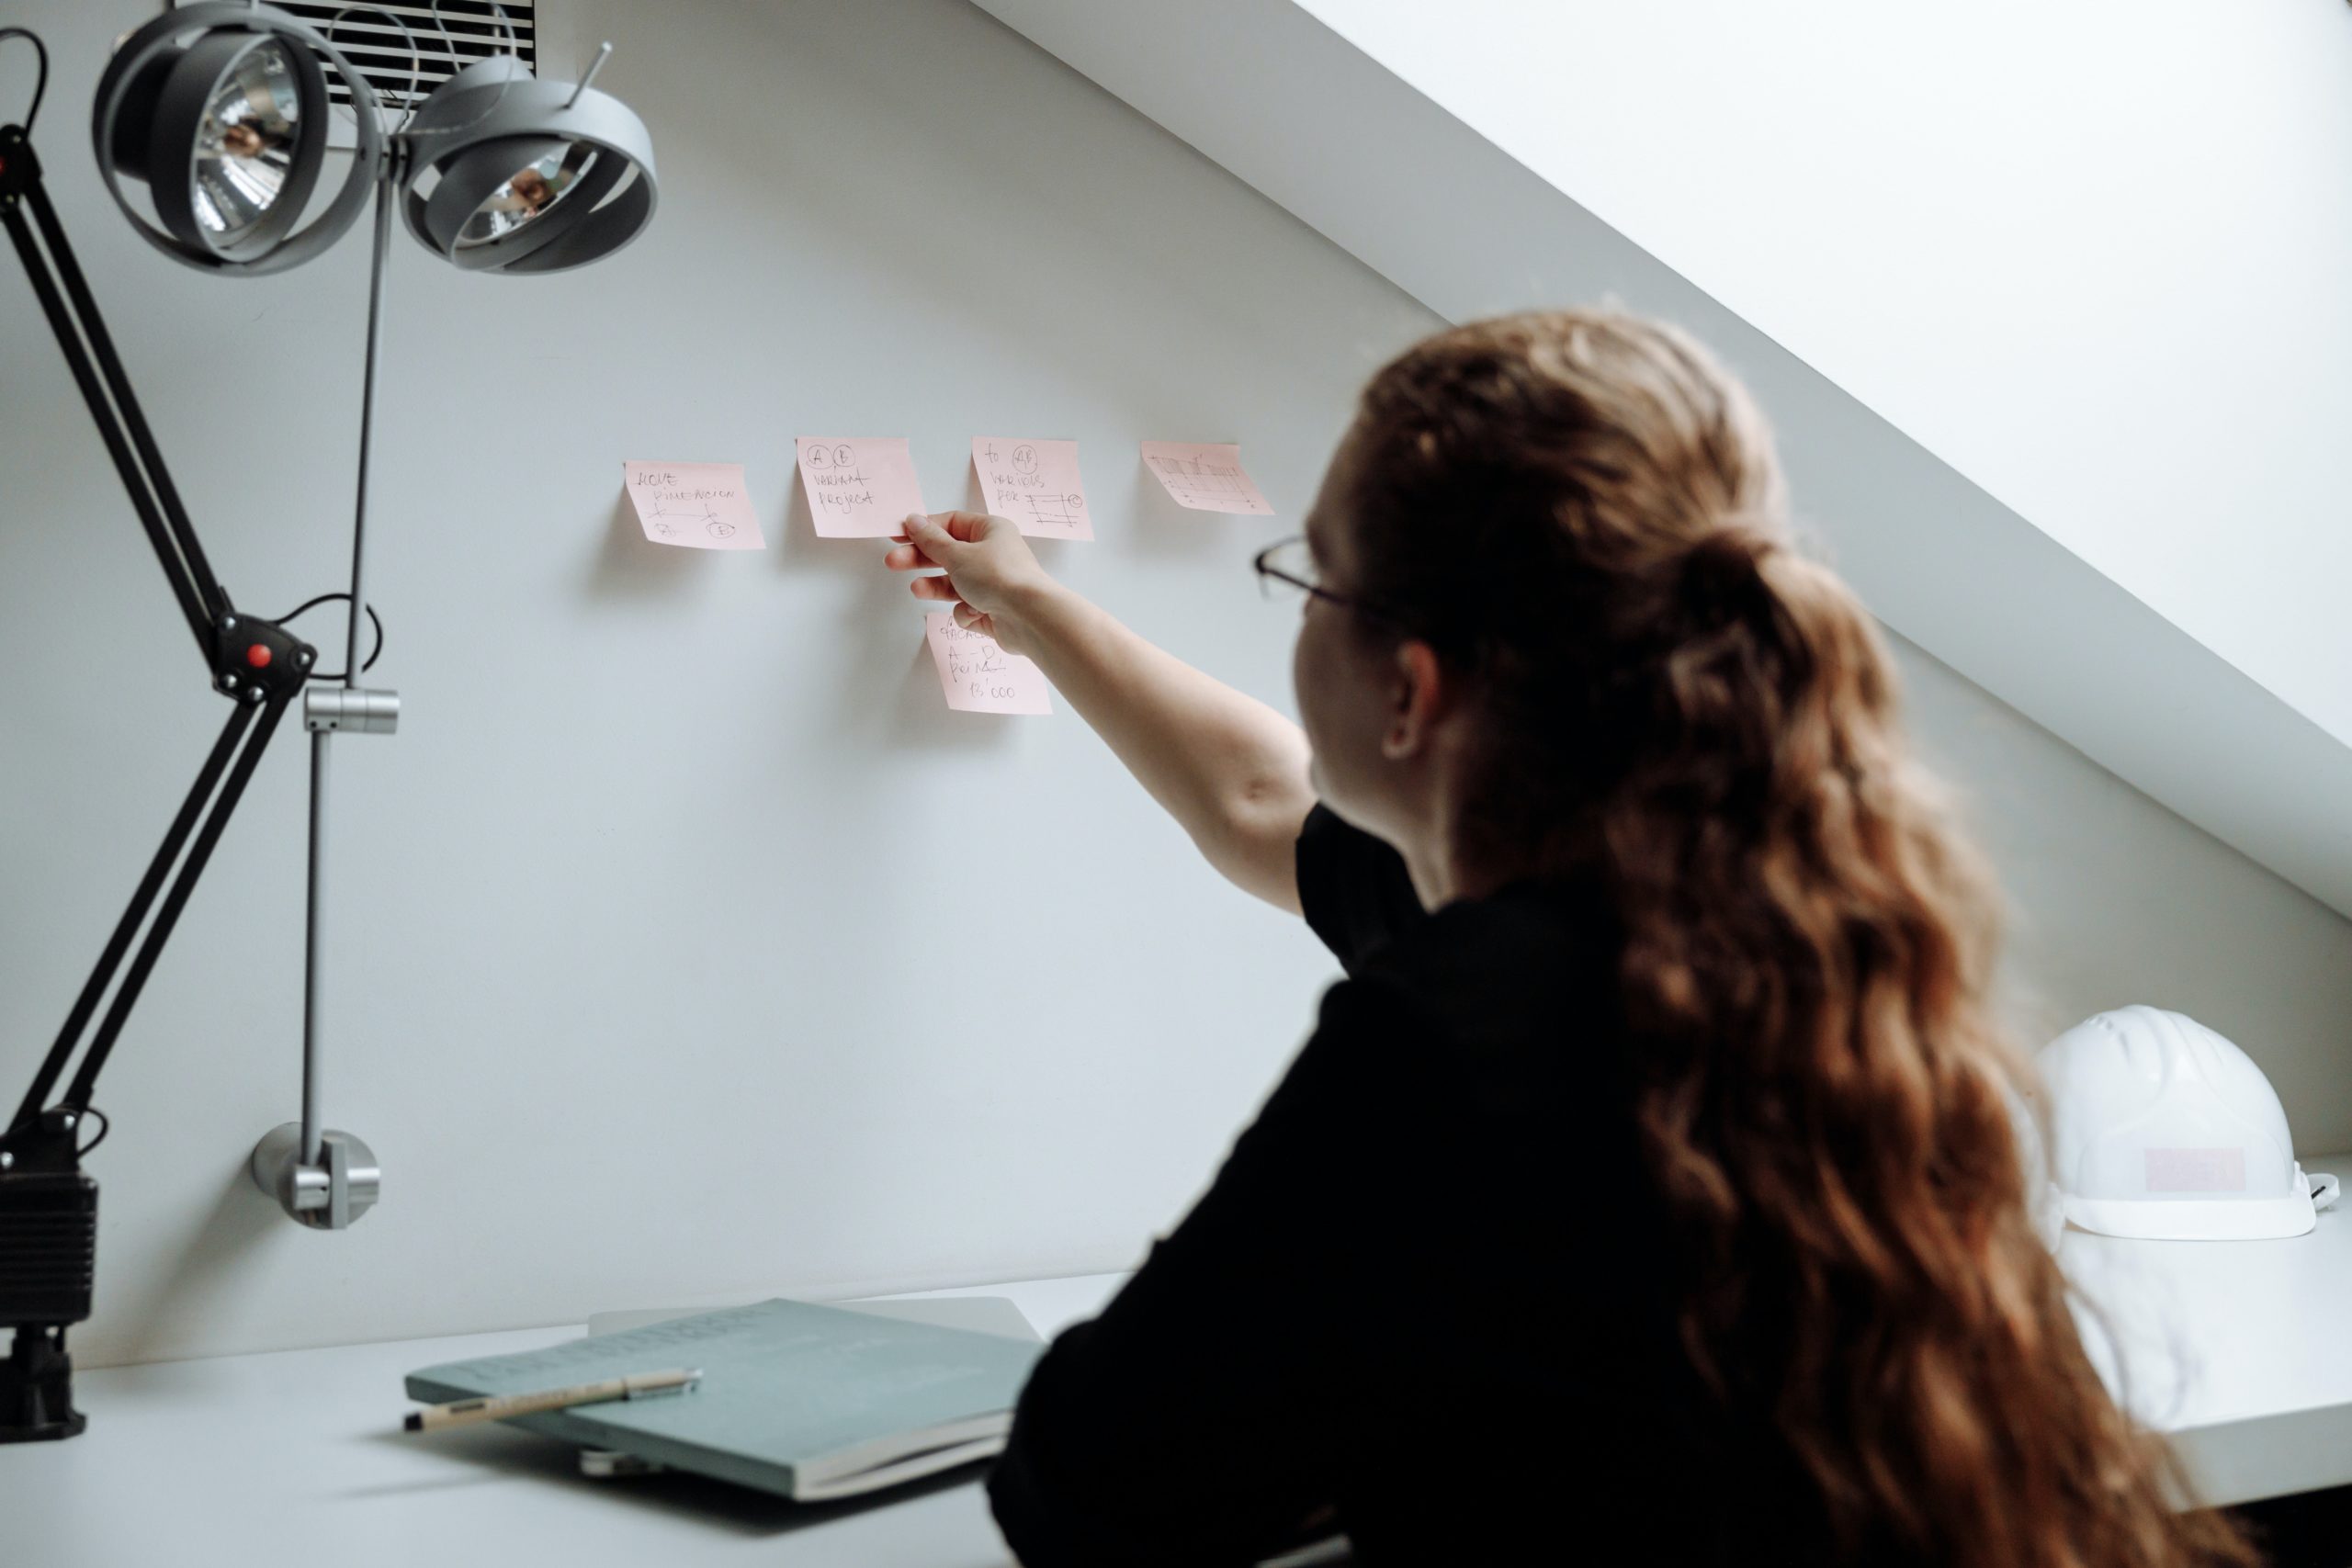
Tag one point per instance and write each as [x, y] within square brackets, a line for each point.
[1653, 1195]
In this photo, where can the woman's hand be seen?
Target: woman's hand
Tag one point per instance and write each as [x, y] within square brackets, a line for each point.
[992, 579]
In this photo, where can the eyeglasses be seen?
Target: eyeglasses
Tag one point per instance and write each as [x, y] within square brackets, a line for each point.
[1289, 567]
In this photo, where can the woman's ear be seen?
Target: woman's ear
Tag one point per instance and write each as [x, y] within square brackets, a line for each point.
[1417, 698]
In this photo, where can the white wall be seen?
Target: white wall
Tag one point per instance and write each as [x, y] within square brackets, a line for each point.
[2088, 252]
[2114, 899]
[681, 943]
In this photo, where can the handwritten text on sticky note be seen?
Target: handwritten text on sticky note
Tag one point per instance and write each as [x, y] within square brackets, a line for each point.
[702, 506]
[859, 488]
[1036, 483]
[980, 677]
[1204, 476]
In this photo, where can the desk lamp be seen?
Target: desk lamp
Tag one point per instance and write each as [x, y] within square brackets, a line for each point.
[221, 111]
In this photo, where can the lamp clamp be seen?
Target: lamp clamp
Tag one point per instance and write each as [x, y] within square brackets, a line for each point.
[49, 1209]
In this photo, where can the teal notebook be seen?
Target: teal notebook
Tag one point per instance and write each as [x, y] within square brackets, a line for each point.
[806, 1401]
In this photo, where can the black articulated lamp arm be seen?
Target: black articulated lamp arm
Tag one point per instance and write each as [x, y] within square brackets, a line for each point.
[254, 662]
[47, 1206]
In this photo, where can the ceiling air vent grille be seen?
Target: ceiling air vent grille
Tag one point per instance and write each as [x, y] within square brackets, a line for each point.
[440, 41]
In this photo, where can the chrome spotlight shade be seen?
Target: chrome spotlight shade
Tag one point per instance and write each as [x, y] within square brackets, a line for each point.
[505, 173]
[221, 111]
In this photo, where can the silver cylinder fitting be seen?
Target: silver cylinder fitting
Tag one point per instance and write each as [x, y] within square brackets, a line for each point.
[350, 709]
[329, 1196]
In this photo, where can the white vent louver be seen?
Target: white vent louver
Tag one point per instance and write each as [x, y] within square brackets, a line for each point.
[439, 42]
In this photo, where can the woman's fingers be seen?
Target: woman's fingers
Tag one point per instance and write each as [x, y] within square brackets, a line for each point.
[929, 536]
[934, 588]
[907, 557]
[963, 615]
[961, 526]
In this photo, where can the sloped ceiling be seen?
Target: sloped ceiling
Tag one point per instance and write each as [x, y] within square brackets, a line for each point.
[2047, 309]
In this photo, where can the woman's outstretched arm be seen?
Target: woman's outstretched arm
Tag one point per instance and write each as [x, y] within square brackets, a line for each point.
[1230, 770]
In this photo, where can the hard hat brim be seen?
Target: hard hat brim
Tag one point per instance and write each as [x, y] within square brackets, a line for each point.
[2195, 1219]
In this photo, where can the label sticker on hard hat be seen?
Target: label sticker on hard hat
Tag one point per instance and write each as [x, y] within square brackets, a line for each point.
[2196, 1170]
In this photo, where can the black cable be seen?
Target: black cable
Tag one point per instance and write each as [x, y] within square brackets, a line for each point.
[106, 1126]
[40, 82]
[373, 655]
[416, 55]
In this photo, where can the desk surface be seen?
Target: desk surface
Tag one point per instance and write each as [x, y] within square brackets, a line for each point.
[2235, 1348]
[2232, 1348]
[297, 1455]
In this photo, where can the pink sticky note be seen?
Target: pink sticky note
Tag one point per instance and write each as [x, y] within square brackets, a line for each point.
[859, 488]
[980, 677]
[1036, 483]
[701, 506]
[1204, 476]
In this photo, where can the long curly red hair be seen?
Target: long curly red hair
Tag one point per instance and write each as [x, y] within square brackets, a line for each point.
[1585, 514]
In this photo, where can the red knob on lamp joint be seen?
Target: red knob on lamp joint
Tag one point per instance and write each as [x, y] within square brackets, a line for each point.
[257, 655]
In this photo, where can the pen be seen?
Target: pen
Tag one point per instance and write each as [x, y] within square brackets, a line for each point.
[497, 1408]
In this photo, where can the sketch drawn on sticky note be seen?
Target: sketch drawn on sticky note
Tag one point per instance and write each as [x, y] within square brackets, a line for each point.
[701, 506]
[1064, 514]
[858, 487]
[1205, 475]
[1036, 483]
[979, 676]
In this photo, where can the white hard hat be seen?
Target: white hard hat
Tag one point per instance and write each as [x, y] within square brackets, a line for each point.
[2161, 1128]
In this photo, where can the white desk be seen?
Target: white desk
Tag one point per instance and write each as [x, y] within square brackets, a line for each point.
[2239, 1350]
[297, 1457]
